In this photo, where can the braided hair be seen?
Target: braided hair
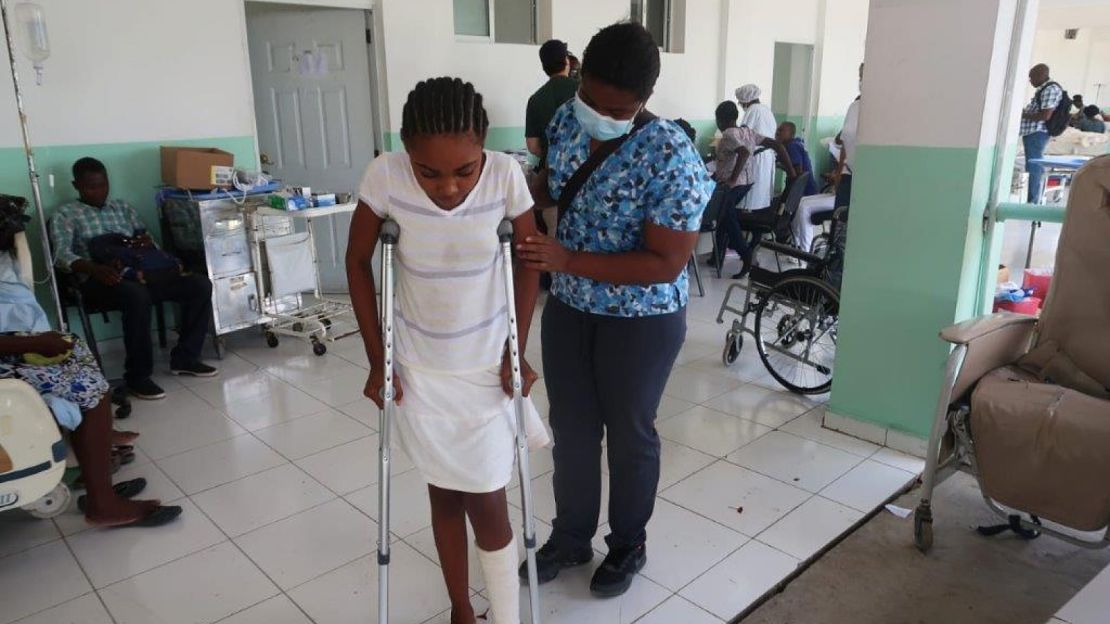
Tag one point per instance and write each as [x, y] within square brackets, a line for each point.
[443, 106]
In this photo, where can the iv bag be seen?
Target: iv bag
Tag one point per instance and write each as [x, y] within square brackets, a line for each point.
[31, 29]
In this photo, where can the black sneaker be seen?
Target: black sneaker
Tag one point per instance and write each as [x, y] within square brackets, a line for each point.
[146, 390]
[552, 557]
[615, 575]
[193, 369]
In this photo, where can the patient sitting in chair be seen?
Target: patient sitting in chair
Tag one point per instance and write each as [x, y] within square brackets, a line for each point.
[61, 368]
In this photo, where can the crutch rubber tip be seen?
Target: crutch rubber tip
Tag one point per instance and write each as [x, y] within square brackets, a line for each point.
[383, 559]
[530, 542]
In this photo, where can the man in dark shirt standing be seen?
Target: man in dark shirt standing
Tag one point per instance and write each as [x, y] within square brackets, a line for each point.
[547, 99]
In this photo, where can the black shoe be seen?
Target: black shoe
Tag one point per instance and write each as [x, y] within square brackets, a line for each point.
[748, 259]
[552, 557]
[146, 390]
[615, 575]
[193, 369]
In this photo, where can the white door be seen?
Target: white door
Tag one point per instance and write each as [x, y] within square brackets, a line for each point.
[312, 99]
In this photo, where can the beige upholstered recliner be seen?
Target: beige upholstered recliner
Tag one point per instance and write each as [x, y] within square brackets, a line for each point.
[1026, 405]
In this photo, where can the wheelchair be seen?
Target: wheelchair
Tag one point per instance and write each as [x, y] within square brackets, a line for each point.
[796, 313]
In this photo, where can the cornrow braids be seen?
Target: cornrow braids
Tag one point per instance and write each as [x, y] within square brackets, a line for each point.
[443, 106]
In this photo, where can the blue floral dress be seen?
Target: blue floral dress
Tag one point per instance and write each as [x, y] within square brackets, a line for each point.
[69, 386]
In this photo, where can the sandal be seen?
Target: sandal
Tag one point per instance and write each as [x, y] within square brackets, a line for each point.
[117, 460]
[125, 489]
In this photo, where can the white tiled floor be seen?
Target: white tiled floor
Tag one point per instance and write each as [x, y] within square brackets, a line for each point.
[275, 465]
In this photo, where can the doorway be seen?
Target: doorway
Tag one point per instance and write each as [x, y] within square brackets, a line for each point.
[792, 84]
[313, 100]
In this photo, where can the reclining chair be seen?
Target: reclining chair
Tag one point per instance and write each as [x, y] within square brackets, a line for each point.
[1025, 406]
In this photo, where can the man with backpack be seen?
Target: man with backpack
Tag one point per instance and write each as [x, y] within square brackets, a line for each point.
[1046, 116]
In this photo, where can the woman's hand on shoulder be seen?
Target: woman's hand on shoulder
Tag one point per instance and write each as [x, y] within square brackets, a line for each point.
[544, 253]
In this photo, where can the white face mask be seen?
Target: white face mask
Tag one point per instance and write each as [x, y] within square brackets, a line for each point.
[600, 127]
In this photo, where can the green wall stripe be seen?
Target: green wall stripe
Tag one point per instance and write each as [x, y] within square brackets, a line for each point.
[501, 138]
[913, 252]
[134, 170]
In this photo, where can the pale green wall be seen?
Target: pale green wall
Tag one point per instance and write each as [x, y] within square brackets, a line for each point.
[134, 170]
[912, 267]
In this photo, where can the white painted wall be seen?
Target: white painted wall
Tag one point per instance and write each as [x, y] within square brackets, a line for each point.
[1078, 64]
[843, 31]
[419, 43]
[135, 70]
[943, 82]
[754, 27]
[149, 70]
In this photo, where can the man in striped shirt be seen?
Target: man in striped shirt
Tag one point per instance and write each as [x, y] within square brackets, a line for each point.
[92, 215]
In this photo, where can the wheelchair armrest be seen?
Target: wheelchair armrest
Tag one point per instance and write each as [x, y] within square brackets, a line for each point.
[984, 326]
[793, 252]
[989, 342]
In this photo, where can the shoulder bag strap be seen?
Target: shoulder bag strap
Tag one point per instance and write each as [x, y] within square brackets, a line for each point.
[587, 169]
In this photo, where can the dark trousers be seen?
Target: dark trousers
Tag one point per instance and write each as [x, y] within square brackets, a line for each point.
[134, 299]
[605, 377]
[844, 191]
[730, 218]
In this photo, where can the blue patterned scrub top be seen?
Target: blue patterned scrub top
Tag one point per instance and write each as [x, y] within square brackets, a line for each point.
[656, 176]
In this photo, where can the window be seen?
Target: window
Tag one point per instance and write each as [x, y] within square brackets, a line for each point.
[500, 21]
[656, 16]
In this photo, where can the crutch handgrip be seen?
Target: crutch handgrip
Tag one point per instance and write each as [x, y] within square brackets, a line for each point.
[390, 232]
[505, 231]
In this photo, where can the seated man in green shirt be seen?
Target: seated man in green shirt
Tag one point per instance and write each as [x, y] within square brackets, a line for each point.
[559, 88]
[74, 225]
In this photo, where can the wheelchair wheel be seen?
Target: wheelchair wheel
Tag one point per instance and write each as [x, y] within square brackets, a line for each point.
[272, 340]
[795, 329]
[734, 342]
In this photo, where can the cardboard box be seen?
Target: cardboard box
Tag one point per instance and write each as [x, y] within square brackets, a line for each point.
[199, 168]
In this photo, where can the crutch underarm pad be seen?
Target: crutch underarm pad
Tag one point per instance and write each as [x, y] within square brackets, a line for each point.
[390, 232]
[505, 231]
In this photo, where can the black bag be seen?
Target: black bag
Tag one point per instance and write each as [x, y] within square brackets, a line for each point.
[146, 264]
[587, 169]
[1061, 116]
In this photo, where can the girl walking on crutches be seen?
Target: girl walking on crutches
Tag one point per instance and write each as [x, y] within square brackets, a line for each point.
[453, 378]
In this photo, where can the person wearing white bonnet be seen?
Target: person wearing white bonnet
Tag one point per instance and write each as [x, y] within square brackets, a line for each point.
[759, 118]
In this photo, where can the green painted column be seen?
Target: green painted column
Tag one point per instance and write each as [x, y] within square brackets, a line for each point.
[932, 90]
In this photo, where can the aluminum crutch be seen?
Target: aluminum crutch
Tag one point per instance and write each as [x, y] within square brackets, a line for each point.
[505, 235]
[389, 235]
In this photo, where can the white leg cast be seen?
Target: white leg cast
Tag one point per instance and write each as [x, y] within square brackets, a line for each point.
[502, 583]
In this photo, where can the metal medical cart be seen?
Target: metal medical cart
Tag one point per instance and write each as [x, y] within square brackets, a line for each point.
[287, 272]
[209, 232]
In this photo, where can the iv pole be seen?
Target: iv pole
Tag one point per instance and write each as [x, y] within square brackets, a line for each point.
[32, 173]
